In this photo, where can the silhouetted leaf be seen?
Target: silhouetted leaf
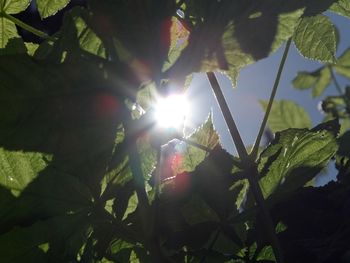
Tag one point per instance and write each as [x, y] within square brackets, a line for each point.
[315, 38]
[286, 114]
[344, 144]
[227, 39]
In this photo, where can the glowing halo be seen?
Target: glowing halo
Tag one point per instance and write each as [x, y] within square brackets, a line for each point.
[171, 111]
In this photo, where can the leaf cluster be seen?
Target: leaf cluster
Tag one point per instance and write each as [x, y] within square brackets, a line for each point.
[84, 173]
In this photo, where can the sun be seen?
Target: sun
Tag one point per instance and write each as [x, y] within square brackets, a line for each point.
[171, 111]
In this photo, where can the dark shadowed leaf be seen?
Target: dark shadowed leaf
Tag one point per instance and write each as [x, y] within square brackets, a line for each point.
[344, 144]
[55, 239]
[197, 211]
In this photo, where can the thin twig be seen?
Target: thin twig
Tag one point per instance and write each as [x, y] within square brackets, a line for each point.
[27, 27]
[340, 91]
[249, 166]
[199, 146]
[211, 245]
[232, 127]
[336, 83]
[255, 149]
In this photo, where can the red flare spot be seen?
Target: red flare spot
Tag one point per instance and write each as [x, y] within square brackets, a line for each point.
[105, 105]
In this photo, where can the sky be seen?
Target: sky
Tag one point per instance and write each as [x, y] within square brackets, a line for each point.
[255, 83]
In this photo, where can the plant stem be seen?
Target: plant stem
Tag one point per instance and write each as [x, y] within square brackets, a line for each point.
[139, 183]
[253, 174]
[249, 166]
[27, 27]
[199, 146]
[340, 90]
[255, 149]
[232, 127]
[336, 83]
[211, 245]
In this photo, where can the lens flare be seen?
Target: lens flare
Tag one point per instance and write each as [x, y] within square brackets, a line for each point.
[170, 112]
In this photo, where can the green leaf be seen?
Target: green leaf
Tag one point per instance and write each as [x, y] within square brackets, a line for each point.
[197, 211]
[148, 156]
[286, 114]
[343, 65]
[205, 135]
[317, 80]
[31, 48]
[266, 254]
[48, 8]
[304, 80]
[132, 205]
[178, 41]
[88, 40]
[23, 244]
[322, 82]
[59, 238]
[341, 7]
[18, 169]
[315, 38]
[344, 144]
[146, 97]
[8, 31]
[13, 6]
[43, 198]
[229, 41]
[295, 156]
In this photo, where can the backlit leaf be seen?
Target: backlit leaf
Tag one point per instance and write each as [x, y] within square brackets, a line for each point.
[31, 48]
[318, 80]
[304, 80]
[286, 114]
[205, 135]
[322, 82]
[48, 8]
[341, 7]
[8, 31]
[295, 156]
[13, 6]
[18, 169]
[88, 40]
[315, 38]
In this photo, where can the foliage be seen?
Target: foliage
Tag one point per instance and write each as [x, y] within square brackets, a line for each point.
[82, 175]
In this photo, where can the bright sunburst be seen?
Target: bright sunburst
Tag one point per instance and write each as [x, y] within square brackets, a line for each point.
[171, 111]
